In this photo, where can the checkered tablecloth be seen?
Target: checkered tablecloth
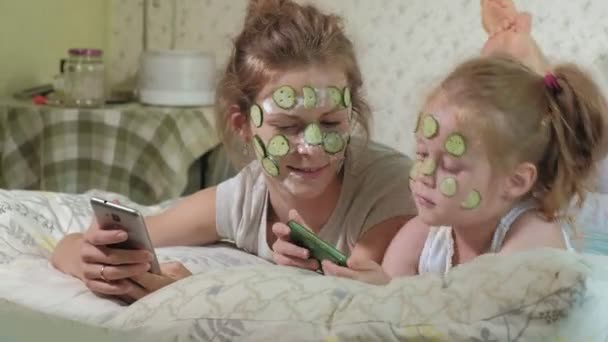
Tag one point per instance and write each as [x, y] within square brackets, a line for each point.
[141, 152]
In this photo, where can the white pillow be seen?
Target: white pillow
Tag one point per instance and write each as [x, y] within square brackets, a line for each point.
[491, 298]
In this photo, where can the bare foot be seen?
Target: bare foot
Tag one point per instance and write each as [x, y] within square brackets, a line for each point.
[523, 23]
[518, 43]
[497, 15]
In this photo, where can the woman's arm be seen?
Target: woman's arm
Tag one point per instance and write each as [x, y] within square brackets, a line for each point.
[189, 223]
[86, 256]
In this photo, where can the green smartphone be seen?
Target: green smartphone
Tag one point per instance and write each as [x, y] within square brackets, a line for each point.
[319, 249]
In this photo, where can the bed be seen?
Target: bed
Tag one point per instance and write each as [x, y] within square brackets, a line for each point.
[234, 295]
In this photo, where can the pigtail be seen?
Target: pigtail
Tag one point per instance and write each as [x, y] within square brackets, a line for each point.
[577, 113]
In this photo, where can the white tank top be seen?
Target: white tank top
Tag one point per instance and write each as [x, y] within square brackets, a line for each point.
[438, 250]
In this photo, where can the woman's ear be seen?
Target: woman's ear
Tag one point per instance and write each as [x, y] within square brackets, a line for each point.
[521, 181]
[239, 122]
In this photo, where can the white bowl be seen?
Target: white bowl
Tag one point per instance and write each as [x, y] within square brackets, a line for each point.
[177, 78]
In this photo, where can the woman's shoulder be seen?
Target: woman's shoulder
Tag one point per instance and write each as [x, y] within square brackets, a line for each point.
[248, 178]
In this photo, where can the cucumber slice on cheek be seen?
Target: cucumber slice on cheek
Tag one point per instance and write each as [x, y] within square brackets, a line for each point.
[448, 187]
[415, 170]
[333, 143]
[270, 166]
[278, 146]
[428, 167]
[258, 146]
[472, 201]
[284, 97]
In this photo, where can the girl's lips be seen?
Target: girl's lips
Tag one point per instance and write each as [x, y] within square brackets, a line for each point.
[424, 201]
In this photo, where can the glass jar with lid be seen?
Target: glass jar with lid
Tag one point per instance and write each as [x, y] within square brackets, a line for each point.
[84, 78]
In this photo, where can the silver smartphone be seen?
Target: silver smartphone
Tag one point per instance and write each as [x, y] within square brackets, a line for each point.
[110, 214]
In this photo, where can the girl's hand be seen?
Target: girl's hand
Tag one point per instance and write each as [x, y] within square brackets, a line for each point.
[288, 254]
[364, 270]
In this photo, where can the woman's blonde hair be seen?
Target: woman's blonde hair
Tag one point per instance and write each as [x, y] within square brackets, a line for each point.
[558, 123]
[279, 35]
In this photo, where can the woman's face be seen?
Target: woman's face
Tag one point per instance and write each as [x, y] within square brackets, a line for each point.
[300, 128]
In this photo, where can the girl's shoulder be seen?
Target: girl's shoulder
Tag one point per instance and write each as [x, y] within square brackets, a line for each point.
[532, 230]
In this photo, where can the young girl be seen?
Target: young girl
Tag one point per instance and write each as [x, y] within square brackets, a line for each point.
[502, 148]
[291, 97]
[501, 151]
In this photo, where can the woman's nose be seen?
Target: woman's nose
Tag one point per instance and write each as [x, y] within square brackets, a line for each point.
[309, 150]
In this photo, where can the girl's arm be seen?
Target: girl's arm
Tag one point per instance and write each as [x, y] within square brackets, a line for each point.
[403, 254]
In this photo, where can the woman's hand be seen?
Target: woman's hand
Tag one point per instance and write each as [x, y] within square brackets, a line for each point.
[149, 282]
[364, 270]
[288, 254]
[106, 270]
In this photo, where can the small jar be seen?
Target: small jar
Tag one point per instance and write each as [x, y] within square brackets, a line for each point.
[84, 78]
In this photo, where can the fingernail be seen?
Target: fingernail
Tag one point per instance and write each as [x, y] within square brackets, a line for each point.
[148, 266]
[121, 235]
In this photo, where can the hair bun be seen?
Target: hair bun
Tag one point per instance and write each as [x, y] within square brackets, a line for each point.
[260, 8]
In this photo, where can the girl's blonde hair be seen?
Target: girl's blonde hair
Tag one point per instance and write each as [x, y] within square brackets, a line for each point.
[558, 123]
[278, 36]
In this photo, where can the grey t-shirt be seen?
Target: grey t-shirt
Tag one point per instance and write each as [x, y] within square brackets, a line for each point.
[375, 188]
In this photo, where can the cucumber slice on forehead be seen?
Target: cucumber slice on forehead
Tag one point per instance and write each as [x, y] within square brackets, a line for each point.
[430, 126]
[278, 146]
[347, 100]
[335, 96]
[256, 115]
[455, 145]
[258, 146]
[448, 187]
[313, 134]
[270, 166]
[428, 167]
[333, 143]
[310, 97]
[472, 201]
[284, 97]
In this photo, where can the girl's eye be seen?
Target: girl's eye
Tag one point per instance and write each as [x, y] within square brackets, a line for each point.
[451, 168]
[330, 123]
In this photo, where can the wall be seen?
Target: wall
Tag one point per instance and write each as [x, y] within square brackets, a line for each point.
[36, 34]
[403, 46]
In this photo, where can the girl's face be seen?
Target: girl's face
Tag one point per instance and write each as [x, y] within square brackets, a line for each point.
[300, 128]
[452, 181]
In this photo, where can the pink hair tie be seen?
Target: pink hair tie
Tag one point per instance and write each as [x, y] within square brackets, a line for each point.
[550, 81]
